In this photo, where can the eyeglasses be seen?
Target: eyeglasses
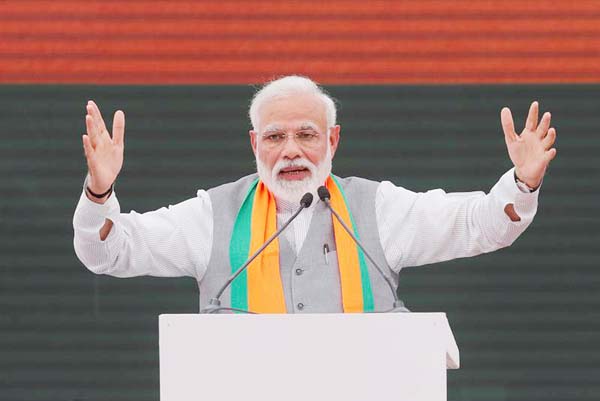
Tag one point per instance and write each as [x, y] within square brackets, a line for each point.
[306, 138]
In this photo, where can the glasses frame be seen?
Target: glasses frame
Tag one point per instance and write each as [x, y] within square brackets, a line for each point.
[305, 137]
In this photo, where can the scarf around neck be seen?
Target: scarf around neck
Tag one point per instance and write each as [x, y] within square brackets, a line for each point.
[259, 288]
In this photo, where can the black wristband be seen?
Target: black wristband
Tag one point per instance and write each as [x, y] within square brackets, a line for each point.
[100, 196]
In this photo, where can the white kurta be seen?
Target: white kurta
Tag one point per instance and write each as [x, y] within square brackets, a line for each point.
[415, 229]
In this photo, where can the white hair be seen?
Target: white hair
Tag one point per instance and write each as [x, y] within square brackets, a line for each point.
[286, 87]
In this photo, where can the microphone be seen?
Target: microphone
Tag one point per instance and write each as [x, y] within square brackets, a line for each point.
[325, 196]
[214, 305]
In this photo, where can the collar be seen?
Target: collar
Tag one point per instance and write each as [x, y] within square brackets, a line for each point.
[284, 206]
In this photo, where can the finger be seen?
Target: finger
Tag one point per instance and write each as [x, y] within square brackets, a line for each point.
[532, 117]
[118, 127]
[542, 129]
[508, 125]
[88, 149]
[90, 113]
[549, 139]
[95, 112]
[92, 129]
[550, 154]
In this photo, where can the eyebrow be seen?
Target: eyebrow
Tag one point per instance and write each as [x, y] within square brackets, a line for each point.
[272, 128]
[278, 128]
[311, 126]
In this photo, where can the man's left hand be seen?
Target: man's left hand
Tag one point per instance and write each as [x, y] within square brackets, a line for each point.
[532, 151]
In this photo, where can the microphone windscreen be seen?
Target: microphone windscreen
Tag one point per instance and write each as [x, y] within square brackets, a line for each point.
[323, 193]
[306, 200]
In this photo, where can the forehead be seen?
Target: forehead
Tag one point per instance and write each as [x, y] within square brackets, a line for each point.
[292, 111]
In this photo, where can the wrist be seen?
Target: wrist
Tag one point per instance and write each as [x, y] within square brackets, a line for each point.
[95, 195]
[526, 185]
[98, 195]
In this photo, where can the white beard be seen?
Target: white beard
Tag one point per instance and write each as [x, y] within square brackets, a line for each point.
[293, 190]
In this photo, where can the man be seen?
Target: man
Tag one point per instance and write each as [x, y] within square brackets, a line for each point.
[314, 266]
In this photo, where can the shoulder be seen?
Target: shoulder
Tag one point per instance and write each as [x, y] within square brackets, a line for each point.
[232, 187]
[360, 194]
[231, 194]
[357, 185]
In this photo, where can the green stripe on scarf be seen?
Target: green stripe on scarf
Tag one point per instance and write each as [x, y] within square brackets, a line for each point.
[238, 249]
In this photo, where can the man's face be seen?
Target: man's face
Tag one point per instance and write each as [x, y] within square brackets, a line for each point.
[293, 146]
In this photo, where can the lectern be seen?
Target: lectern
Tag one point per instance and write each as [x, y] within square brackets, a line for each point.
[346, 357]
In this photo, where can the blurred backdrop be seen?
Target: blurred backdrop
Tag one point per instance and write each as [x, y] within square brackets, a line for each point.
[419, 87]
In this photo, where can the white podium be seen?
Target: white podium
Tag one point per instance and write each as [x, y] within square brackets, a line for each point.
[346, 357]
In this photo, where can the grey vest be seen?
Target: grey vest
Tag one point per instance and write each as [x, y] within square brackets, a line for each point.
[311, 281]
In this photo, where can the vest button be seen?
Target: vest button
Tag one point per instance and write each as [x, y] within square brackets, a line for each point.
[299, 272]
[300, 306]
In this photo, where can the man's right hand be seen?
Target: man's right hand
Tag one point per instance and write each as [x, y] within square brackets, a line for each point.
[104, 154]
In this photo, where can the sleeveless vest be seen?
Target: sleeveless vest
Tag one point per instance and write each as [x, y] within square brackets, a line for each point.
[311, 280]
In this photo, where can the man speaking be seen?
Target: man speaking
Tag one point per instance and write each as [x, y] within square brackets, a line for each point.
[314, 265]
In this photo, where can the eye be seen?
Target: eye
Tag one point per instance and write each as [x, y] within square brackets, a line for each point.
[306, 135]
[275, 137]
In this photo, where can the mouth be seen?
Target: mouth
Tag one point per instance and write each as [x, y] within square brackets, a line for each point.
[294, 173]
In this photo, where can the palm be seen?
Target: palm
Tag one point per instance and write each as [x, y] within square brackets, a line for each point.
[104, 154]
[532, 151]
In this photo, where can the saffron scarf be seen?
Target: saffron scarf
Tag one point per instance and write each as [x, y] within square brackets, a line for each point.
[259, 288]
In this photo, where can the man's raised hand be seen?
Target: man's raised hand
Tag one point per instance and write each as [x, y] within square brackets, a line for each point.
[104, 154]
[532, 151]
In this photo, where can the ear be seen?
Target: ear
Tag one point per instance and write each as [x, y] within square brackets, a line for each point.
[253, 141]
[334, 138]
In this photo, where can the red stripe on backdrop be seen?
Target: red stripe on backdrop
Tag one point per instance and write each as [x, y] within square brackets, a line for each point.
[334, 42]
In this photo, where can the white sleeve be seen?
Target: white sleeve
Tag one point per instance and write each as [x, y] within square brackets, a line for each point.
[421, 228]
[168, 242]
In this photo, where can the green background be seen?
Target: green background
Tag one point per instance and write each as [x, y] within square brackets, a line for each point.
[526, 318]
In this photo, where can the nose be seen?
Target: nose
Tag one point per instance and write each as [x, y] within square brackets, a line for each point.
[291, 149]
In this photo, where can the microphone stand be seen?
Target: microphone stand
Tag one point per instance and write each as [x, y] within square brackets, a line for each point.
[398, 305]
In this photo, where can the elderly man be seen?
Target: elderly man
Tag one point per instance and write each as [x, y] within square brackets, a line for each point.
[314, 266]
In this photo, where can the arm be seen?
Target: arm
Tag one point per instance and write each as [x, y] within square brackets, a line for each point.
[421, 228]
[174, 241]
[168, 242]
